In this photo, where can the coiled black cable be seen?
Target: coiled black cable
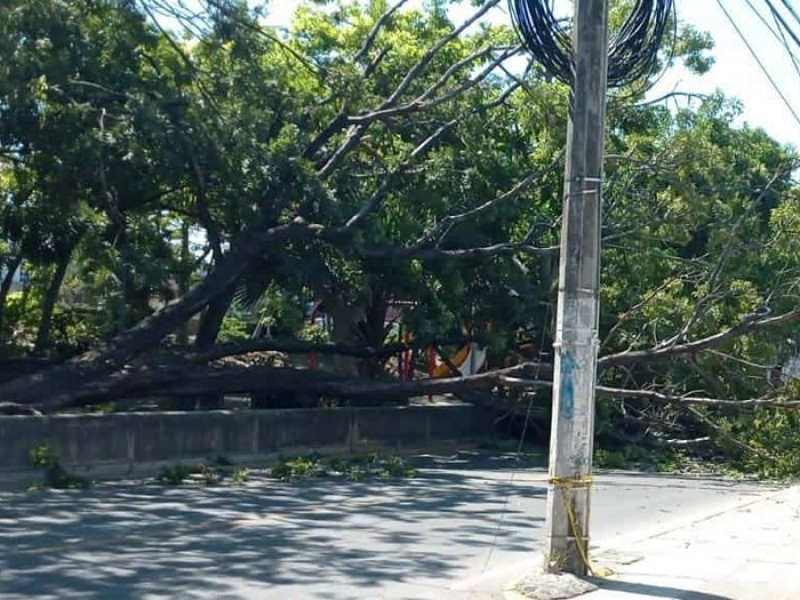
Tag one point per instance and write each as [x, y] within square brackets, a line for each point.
[632, 53]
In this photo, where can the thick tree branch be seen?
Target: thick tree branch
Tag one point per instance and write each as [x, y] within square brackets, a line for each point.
[293, 346]
[178, 379]
[506, 249]
[660, 352]
[662, 398]
[354, 135]
[331, 129]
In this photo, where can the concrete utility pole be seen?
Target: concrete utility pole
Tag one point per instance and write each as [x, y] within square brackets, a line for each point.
[568, 498]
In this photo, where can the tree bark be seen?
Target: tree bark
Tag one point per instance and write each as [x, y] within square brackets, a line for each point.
[347, 321]
[184, 274]
[49, 304]
[211, 322]
[210, 325]
[373, 330]
[293, 346]
[8, 280]
[181, 379]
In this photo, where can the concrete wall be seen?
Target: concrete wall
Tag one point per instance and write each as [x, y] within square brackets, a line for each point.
[137, 443]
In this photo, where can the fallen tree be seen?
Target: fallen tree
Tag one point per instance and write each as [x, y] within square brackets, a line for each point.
[181, 378]
[341, 166]
[177, 373]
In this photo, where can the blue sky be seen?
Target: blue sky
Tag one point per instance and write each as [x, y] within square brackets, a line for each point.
[735, 72]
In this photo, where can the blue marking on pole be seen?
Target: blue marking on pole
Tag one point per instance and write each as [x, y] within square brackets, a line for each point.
[567, 401]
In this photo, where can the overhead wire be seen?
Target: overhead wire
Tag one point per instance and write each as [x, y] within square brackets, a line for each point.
[758, 60]
[633, 49]
[791, 10]
[779, 17]
[792, 56]
[777, 31]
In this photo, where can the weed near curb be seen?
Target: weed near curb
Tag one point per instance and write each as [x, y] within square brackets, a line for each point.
[353, 469]
[55, 475]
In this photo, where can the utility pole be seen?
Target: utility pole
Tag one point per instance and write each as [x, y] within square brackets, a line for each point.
[576, 340]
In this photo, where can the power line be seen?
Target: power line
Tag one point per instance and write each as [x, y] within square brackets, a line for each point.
[777, 31]
[758, 60]
[785, 43]
[632, 53]
[773, 30]
[779, 17]
[791, 10]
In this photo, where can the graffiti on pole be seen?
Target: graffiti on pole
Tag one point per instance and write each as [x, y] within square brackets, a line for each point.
[567, 400]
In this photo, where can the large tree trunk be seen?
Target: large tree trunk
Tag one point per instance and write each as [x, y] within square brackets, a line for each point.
[180, 378]
[5, 286]
[348, 319]
[212, 319]
[49, 304]
[182, 280]
[373, 330]
[60, 385]
[210, 325]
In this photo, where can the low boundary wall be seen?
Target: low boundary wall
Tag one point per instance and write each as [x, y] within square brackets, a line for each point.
[125, 444]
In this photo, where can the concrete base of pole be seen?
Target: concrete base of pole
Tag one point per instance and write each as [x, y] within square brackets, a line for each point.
[550, 586]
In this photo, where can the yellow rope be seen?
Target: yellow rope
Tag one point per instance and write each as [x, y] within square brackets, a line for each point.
[562, 484]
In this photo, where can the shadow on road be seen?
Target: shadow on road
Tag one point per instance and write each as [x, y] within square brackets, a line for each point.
[266, 539]
[654, 591]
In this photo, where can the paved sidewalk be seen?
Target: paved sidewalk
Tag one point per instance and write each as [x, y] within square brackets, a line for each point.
[749, 552]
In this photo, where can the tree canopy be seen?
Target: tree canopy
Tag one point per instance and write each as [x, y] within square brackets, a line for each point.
[160, 166]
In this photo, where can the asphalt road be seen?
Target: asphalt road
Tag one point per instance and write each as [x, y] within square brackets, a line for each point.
[458, 530]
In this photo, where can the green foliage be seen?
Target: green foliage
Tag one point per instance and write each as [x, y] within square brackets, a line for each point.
[140, 159]
[240, 476]
[174, 474]
[55, 476]
[17, 311]
[216, 471]
[604, 459]
[396, 467]
[693, 47]
[355, 468]
[314, 332]
[639, 457]
[207, 474]
[297, 468]
[232, 329]
[770, 438]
